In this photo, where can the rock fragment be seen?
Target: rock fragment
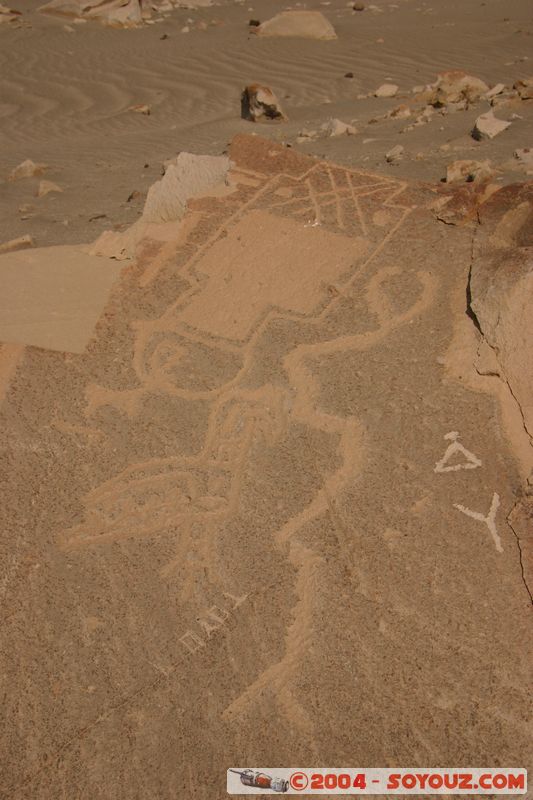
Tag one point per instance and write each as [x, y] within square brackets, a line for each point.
[524, 88]
[27, 169]
[487, 126]
[21, 243]
[47, 187]
[395, 154]
[306, 24]
[455, 86]
[386, 90]
[468, 171]
[335, 127]
[524, 157]
[499, 88]
[141, 108]
[260, 103]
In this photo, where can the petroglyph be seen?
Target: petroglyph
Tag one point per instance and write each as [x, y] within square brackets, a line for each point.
[489, 520]
[455, 447]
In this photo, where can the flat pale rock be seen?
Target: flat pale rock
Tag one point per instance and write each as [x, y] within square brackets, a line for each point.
[394, 154]
[307, 24]
[487, 126]
[52, 297]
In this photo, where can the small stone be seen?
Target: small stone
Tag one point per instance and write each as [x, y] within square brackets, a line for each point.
[386, 90]
[141, 108]
[358, 6]
[487, 126]
[134, 196]
[395, 154]
[21, 243]
[348, 74]
[47, 187]
[400, 112]
[27, 169]
[254, 23]
[260, 103]
[164, 36]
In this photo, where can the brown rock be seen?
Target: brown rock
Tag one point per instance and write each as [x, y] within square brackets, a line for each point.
[524, 88]
[487, 126]
[260, 103]
[454, 86]
[47, 187]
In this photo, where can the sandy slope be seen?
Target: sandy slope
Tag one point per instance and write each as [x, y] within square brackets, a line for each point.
[64, 96]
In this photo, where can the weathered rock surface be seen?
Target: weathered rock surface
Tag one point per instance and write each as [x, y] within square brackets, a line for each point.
[248, 511]
[259, 103]
[47, 187]
[306, 24]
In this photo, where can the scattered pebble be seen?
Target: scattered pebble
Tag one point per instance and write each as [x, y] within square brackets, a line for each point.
[141, 108]
[335, 127]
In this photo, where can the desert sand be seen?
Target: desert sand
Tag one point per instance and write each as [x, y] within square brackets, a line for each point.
[266, 417]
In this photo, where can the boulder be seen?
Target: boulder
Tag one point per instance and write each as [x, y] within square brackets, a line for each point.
[260, 103]
[487, 126]
[306, 24]
[455, 86]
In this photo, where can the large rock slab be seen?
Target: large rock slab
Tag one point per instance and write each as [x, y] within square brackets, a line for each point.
[306, 24]
[250, 510]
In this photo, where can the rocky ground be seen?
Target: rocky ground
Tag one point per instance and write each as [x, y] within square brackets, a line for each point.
[265, 412]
